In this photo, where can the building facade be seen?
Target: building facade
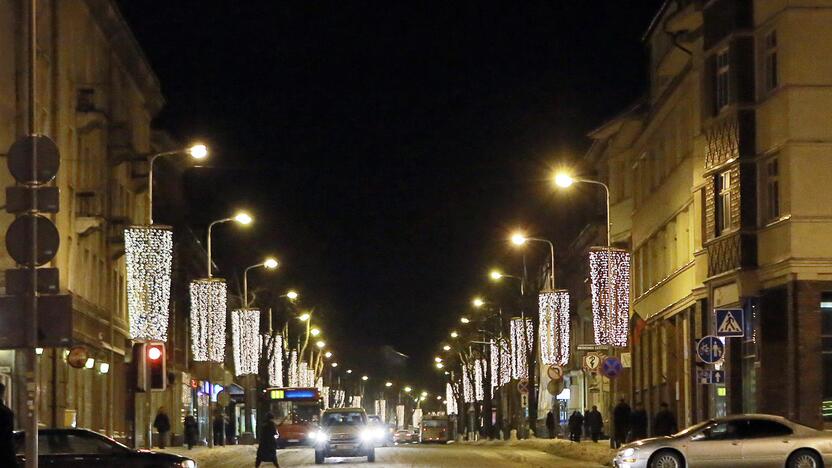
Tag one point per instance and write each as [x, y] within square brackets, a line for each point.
[720, 193]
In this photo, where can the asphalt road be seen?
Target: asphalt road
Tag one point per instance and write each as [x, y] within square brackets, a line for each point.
[453, 455]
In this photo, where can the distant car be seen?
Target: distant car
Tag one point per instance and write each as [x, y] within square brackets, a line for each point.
[82, 448]
[405, 436]
[746, 440]
[384, 431]
[345, 432]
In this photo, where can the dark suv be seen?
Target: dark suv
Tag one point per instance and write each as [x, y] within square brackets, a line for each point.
[344, 432]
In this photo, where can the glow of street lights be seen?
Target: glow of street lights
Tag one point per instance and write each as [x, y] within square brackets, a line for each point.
[563, 180]
[478, 302]
[424, 394]
[464, 320]
[439, 365]
[495, 275]
[438, 397]
[365, 378]
[320, 344]
[388, 384]
[328, 354]
[243, 218]
[518, 238]
[315, 331]
[334, 364]
[304, 317]
[437, 359]
[407, 389]
[270, 263]
[454, 334]
[349, 371]
[198, 151]
[446, 347]
[292, 295]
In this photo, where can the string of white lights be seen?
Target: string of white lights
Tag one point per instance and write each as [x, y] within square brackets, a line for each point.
[294, 381]
[245, 335]
[148, 252]
[275, 365]
[609, 270]
[208, 307]
[381, 410]
[479, 379]
[467, 385]
[450, 401]
[500, 363]
[521, 347]
[554, 327]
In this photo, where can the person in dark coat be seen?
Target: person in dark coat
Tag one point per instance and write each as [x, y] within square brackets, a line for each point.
[586, 423]
[191, 431]
[620, 423]
[665, 422]
[267, 442]
[550, 424]
[7, 456]
[576, 424]
[638, 424]
[595, 422]
[230, 431]
[219, 428]
[162, 425]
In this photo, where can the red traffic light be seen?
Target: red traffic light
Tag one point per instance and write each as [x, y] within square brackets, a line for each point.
[154, 353]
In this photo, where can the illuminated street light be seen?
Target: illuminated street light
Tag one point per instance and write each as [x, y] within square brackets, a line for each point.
[320, 344]
[304, 317]
[196, 151]
[424, 394]
[315, 331]
[438, 397]
[518, 238]
[439, 365]
[454, 334]
[328, 354]
[407, 389]
[365, 378]
[495, 275]
[563, 180]
[446, 347]
[269, 264]
[465, 320]
[388, 384]
[349, 371]
[292, 295]
[334, 364]
[437, 359]
[241, 218]
[478, 302]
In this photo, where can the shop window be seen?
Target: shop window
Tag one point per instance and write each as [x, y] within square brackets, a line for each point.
[770, 63]
[826, 353]
[721, 81]
[722, 192]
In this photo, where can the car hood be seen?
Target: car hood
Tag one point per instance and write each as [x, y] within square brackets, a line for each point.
[344, 429]
[643, 442]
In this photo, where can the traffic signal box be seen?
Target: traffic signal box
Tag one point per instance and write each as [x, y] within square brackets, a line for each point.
[151, 366]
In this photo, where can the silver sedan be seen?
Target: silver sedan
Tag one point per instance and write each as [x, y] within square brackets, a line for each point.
[747, 440]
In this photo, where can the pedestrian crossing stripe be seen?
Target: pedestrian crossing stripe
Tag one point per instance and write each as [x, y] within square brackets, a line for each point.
[729, 324]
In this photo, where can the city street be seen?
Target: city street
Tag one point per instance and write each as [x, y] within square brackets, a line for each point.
[452, 455]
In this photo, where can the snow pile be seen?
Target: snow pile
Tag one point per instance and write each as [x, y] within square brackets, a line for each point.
[600, 452]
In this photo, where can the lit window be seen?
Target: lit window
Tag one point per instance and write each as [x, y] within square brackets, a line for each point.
[723, 202]
[722, 81]
[771, 172]
[771, 79]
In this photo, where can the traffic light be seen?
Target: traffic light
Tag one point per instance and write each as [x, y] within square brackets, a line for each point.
[156, 369]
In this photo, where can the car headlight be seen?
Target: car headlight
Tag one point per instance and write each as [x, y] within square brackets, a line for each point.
[378, 433]
[319, 436]
[628, 452]
[188, 464]
[367, 435]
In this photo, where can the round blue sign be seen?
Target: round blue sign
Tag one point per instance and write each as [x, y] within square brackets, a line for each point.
[611, 367]
[710, 349]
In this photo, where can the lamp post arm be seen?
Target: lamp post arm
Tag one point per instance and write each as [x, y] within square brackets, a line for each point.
[552, 258]
[607, 199]
[245, 283]
[208, 246]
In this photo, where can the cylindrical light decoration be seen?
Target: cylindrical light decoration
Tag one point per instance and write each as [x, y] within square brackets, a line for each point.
[294, 381]
[554, 327]
[148, 253]
[245, 334]
[310, 378]
[521, 347]
[479, 379]
[325, 397]
[303, 375]
[356, 401]
[500, 363]
[609, 270]
[467, 387]
[273, 348]
[381, 410]
[208, 307]
[450, 401]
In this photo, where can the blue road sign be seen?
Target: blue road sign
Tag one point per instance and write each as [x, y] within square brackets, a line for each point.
[730, 322]
[717, 377]
[611, 367]
[710, 349]
[708, 376]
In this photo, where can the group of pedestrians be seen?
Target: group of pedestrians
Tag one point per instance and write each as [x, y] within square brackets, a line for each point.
[627, 424]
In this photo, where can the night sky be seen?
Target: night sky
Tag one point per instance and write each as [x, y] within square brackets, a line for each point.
[386, 149]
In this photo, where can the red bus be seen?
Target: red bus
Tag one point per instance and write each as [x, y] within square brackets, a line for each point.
[296, 411]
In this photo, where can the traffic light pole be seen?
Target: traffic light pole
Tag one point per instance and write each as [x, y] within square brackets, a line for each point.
[32, 393]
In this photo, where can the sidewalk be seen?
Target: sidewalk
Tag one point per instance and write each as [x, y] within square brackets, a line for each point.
[599, 452]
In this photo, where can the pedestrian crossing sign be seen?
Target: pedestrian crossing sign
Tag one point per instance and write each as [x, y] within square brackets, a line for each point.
[730, 322]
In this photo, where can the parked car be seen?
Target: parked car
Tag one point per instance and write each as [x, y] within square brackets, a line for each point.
[406, 436]
[745, 440]
[82, 448]
[344, 432]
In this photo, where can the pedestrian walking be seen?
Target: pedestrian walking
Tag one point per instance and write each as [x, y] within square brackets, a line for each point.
[576, 422]
[218, 426]
[191, 431]
[550, 424]
[586, 423]
[665, 422]
[162, 425]
[595, 422]
[230, 431]
[620, 423]
[267, 442]
[638, 424]
[7, 456]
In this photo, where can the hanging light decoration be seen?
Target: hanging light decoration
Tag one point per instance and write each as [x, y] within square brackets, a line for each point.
[521, 346]
[293, 369]
[310, 378]
[609, 270]
[467, 385]
[479, 379]
[325, 397]
[554, 327]
[303, 375]
[381, 410]
[500, 363]
[245, 334]
[148, 252]
[450, 401]
[273, 349]
[208, 306]
[356, 401]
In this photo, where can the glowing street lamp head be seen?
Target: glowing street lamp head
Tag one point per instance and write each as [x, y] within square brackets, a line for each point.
[388, 384]
[438, 397]
[365, 378]
[454, 334]
[315, 331]
[270, 263]
[495, 275]
[518, 238]
[424, 394]
[328, 354]
[439, 365]
[563, 180]
[349, 371]
[198, 151]
[243, 218]
[446, 347]
[465, 320]
[407, 389]
[304, 317]
[320, 344]
[478, 302]
[334, 364]
[437, 359]
[292, 295]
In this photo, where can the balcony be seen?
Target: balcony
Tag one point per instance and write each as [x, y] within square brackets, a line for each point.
[731, 252]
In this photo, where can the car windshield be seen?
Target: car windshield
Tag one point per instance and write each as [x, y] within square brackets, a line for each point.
[343, 418]
[693, 429]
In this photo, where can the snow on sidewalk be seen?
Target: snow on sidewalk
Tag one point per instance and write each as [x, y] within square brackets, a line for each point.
[599, 452]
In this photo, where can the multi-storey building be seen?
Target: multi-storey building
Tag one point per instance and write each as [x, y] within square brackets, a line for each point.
[722, 197]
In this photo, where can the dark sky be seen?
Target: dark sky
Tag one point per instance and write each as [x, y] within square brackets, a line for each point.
[386, 148]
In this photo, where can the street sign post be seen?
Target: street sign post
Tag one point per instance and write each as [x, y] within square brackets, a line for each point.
[554, 387]
[555, 372]
[611, 367]
[730, 322]
[592, 361]
[710, 349]
[523, 386]
[708, 377]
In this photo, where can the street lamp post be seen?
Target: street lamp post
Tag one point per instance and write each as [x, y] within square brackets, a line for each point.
[241, 217]
[520, 239]
[565, 180]
[269, 264]
[197, 151]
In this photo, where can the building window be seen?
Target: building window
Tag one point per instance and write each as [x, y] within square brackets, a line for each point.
[771, 185]
[770, 63]
[721, 85]
[722, 192]
[826, 353]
